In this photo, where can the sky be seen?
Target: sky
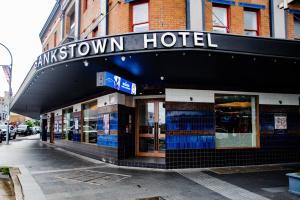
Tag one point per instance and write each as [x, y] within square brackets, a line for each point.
[20, 24]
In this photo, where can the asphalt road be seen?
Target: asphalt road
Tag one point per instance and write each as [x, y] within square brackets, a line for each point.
[64, 176]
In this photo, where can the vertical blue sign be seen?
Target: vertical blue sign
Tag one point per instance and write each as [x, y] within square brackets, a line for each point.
[113, 81]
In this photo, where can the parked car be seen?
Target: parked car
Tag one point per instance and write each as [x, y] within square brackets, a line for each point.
[36, 129]
[24, 130]
[12, 132]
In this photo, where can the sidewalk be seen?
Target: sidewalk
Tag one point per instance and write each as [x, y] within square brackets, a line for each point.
[5, 190]
[63, 175]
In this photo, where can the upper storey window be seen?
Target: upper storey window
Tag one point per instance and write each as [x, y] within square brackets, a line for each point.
[220, 19]
[72, 23]
[251, 23]
[140, 16]
[297, 26]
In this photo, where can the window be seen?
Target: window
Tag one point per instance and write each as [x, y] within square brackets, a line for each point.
[55, 39]
[140, 17]
[72, 23]
[85, 5]
[220, 19]
[251, 23]
[68, 124]
[236, 121]
[297, 26]
[90, 122]
[95, 32]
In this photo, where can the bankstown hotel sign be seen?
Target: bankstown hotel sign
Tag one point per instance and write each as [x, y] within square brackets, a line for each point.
[126, 43]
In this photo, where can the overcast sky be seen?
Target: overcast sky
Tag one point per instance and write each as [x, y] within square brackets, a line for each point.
[20, 24]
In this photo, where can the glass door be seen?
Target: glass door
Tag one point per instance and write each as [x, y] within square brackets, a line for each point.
[151, 128]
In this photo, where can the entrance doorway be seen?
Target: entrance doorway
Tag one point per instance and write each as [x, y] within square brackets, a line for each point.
[151, 128]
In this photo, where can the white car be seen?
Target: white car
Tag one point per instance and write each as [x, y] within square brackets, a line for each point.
[12, 132]
[36, 129]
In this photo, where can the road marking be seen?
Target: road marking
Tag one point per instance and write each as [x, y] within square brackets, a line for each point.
[223, 188]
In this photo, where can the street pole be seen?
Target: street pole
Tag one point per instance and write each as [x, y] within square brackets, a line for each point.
[10, 92]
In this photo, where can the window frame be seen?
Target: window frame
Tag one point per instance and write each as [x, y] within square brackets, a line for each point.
[257, 20]
[227, 17]
[132, 25]
[296, 16]
[55, 39]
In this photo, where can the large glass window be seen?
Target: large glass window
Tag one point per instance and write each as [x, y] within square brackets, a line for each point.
[220, 19]
[236, 121]
[297, 26]
[140, 17]
[68, 124]
[250, 23]
[90, 122]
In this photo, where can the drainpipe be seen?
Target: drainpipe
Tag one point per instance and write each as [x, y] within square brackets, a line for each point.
[77, 19]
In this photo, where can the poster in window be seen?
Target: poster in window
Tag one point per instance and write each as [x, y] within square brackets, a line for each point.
[106, 123]
[76, 123]
[280, 122]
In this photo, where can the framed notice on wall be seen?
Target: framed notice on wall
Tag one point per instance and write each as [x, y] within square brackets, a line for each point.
[106, 123]
[280, 121]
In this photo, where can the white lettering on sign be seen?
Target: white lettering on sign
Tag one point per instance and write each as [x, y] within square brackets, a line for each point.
[132, 42]
[198, 40]
[63, 53]
[210, 44]
[119, 44]
[171, 43]
[99, 45]
[184, 36]
[152, 40]
[83, 51]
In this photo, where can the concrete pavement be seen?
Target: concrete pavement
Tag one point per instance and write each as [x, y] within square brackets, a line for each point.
[60, 175]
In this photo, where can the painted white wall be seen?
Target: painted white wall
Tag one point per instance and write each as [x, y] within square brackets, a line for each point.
[77, 19]
[115, 98]
[103, 11]
[77, 107]
[279, 20]
[58, 112]
[208, 96]
[196, 15]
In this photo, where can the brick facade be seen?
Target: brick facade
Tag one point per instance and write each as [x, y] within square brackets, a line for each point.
[89, 16]
[236, 17]
[163, 15]
[290, 20]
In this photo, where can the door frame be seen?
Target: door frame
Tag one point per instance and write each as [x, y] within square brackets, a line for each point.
[137, 136]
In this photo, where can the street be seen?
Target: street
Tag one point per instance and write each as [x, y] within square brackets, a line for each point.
[61, 175]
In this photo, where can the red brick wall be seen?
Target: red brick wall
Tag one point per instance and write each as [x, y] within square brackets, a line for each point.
[89, 16]
[236, 19]
[166, 14]
[290, 21]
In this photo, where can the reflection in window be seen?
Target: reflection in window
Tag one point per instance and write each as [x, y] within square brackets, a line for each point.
[235, 121]
[220, 19]
[250, 23]
[140, 17]
[90, 122]
[146, 118]
[68, 125]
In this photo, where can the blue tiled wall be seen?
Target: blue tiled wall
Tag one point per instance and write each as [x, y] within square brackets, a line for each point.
[190, 120]
[76, 137]
[190, 142]
[108, 141]
[186, 121]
